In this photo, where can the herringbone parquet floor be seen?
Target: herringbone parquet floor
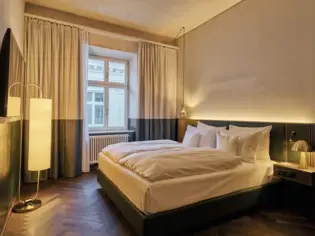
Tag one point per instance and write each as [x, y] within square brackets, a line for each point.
[78, 207]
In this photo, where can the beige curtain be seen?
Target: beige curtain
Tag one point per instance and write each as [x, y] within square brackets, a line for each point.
[158, 98]
[84, 60]
[52, 61]
[53, 58]
[157, 81]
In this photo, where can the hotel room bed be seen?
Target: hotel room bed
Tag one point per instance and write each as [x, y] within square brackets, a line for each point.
[183, 204]
[191, 217]
[153, 197]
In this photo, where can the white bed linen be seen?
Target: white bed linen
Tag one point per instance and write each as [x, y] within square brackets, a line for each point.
[181, 162]
[120, 150]
[152, 197]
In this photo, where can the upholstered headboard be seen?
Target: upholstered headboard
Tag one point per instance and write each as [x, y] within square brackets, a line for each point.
[279, 135]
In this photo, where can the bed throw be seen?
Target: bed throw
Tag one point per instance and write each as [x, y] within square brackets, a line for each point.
[166, 160]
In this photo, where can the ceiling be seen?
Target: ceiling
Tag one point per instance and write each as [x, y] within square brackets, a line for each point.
[163, 17]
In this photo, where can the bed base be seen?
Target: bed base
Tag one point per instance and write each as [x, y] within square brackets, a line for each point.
[191, 217]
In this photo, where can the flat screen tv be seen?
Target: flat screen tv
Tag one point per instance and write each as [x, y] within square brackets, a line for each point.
[11, 70]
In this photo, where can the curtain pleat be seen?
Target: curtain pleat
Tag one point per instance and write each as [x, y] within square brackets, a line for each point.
[84, 58]
[53, 54]
[158, 100]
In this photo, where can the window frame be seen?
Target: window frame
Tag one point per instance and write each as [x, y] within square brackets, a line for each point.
[106, 85]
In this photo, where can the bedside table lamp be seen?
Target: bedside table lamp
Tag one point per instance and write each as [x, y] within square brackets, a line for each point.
[304, 148]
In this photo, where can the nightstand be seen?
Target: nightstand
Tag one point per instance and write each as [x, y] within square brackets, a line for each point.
[292, 172]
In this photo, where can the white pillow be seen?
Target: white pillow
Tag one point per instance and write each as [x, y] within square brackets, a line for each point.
[263, 143]
[246, 144]
[207, 138]
[191, 137]
[227, 143]
[208, 134]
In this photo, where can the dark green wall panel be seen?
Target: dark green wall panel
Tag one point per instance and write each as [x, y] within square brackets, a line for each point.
[153, 129]
[9, 165]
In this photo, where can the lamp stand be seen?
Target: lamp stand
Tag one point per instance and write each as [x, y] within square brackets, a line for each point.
[30, 204]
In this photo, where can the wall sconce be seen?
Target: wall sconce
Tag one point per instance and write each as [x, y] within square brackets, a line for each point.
[293, 133]
[183, 112]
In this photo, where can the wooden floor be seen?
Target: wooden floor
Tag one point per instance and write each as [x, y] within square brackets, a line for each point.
[75, 207]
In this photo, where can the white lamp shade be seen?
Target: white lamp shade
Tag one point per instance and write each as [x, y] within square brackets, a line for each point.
[39, 149]
[14, 106]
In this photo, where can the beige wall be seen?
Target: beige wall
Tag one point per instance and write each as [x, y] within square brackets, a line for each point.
[2, 25]
[255, 62]
[12, 16]
[113, 43]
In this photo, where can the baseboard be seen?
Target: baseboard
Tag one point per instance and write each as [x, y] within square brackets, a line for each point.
[8, 217]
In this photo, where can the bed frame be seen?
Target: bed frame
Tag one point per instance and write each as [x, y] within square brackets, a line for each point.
[191, 217]
[203, 214]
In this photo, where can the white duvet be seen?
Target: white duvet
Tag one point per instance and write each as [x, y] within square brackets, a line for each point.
[166, 159]
[121, 150]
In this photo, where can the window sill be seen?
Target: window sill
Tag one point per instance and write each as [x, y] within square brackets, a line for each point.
[110, 132]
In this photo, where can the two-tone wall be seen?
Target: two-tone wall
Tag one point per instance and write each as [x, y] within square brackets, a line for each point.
[254, 62]
[11, 16]
[10, 148]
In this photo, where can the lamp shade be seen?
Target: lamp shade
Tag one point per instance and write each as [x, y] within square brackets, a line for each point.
[301, 146]
[39, 148]
[14, 106]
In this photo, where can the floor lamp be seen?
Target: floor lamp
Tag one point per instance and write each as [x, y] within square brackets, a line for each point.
[39, 145]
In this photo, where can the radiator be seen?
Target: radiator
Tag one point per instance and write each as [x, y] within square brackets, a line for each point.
[97, 143]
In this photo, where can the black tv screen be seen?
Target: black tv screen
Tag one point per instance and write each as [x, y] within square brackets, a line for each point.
[11, 71]
[4, 72]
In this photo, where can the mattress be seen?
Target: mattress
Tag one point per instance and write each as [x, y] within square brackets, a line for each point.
[153, 197]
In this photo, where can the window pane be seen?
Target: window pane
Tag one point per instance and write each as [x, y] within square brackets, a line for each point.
[90, 96]
[117, 72]
[99, 115]
[96, 107]
[89, 107]
[99, 97]
[96, 70]
[116, 107]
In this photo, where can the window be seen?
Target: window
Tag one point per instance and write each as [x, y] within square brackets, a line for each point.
[107, 93]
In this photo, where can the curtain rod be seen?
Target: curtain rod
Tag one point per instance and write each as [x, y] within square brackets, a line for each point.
[100, 32]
